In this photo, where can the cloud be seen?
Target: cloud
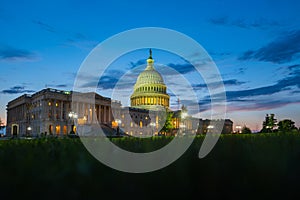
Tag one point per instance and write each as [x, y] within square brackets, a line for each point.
[182, 68]
[138, 63]
[13, 54]
[81, 44]
[80, 41]
[16, 90]
[107, 81]
[261, 23]
[264, 104]
[294, 67]
[284, 92]
[44, 26]
[223, 20]
[284, 49]
[281, 85]
[230, 82]
[57, 86]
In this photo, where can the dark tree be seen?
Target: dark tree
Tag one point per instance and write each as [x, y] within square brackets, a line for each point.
[270, 124]
[286, 125]
[246, 130]
[168, 126]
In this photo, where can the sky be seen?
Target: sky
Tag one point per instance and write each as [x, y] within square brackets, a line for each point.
[255, 45]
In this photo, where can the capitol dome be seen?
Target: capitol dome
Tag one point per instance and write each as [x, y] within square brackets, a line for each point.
[150, 92]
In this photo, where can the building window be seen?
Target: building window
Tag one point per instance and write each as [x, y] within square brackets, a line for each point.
[65, 130]
[57, 130]
[141, 124]
[131, 124]
[50, 129]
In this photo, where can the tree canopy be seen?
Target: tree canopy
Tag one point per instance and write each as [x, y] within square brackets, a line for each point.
[168, 126]
[286, 125]
[246, 130]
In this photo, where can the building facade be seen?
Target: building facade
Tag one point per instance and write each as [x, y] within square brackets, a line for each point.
[58, 112]
[51, 111]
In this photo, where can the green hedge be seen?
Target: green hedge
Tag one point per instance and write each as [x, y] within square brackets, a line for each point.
[240, 166]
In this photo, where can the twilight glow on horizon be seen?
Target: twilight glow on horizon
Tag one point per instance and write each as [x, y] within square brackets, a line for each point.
[255, 45]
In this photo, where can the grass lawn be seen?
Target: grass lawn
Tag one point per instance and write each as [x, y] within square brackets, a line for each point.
[239, 167]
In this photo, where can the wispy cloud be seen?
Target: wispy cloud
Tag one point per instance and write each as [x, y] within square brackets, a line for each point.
[44, 26]
[107, 81]
[260, 98]
[261, 104]
[81, 41]
[281, 85]
[16, 90]
[230, 82]
[57, 85]
[261, 23]
[137, 63]
[14, 54]
[75, 39]
[182, 68]
[284, 49]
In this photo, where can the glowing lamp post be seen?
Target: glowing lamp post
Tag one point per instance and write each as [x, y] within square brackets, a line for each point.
[152, 124]
[182, 124]
[238, 129]
[118, 121]
[72, 116]
[28, 130]
[210, 128]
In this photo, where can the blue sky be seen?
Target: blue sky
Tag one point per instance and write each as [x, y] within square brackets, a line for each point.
[255, 44]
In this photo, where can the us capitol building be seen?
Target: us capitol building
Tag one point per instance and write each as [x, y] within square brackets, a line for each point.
[54, 112]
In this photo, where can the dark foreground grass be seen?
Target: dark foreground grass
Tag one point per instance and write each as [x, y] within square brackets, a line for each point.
[239, 167]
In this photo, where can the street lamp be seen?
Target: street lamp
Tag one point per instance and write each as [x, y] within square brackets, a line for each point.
[73, 116]
[28, 130]
[152, 124]
[118, 126]
[238, 128]
[210, 128]
[183, 115]
[182, 127]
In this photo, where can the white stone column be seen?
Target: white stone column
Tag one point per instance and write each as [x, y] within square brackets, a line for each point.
[100, 114]
[54, 111]
[89, 113]
[61, 110]
[104, 111]
[109, 114]
[83, 109]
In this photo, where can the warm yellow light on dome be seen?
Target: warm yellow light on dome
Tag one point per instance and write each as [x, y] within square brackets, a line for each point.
[150, 89]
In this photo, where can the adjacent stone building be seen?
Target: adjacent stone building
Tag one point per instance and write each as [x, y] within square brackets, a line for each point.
[49, 111]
